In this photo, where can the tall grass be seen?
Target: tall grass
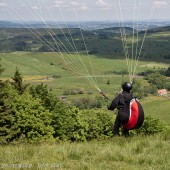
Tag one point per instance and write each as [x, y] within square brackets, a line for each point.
[137, 153]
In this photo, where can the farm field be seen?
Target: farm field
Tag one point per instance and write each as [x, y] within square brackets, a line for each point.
[44, 67]
[39, 68]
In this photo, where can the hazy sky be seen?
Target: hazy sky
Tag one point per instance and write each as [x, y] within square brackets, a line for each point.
[84, 10]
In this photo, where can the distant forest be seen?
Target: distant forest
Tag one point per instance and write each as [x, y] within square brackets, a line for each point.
[100, 42]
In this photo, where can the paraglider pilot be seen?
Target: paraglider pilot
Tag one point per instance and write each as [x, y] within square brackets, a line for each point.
[130, 112]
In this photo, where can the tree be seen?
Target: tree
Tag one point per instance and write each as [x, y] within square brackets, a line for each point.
[18, 82]
[22, 117]
[1, 69]
[141, 88]
[168, 72]
[33, 120]
[9, 130]
[156, 79]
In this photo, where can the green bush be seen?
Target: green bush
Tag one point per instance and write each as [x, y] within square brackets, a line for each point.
[156, 79]
[37, 115]
[74, 91]
[89, 103]
[9, 129]
[141, 88]
[22, 116]
[98, 124]
[152, 126]
[68, 124]
[33, 120]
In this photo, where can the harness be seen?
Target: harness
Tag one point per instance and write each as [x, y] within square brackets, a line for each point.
[136, 115]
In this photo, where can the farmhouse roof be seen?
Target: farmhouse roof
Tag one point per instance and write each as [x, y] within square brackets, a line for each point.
[162, 91]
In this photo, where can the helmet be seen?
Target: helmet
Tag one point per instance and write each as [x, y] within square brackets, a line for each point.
[127, 86]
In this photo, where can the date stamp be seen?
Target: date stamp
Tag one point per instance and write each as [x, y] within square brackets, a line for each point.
[29, 166]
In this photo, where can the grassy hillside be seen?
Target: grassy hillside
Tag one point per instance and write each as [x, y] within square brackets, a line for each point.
[71, 70]
[43, 67]
[157, 107]
[137, 153]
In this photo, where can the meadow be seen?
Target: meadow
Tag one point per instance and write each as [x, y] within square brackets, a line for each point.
[52, 70]
[44, 67]
[133, 153]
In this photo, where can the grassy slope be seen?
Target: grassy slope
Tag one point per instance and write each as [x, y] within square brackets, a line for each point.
[138, 153]
[157, 107]
[35, 67]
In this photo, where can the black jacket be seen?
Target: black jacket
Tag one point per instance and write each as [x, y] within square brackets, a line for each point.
[121, 102]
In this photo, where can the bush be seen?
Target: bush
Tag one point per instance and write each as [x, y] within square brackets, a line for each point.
[141, 88]
[33, 120]
[22, 116]
[168, 72]
[37, 115]
[74, 91]
[98, 124]
[68, 124]
[89, 103]
[156, 79]
[152, 126]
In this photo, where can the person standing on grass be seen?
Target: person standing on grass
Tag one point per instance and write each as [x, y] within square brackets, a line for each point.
[130, 112]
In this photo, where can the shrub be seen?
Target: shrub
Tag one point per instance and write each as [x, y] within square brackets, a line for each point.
[156, 79]
[33, 120]
[152, 126]
[68, 124]
[74, 91]
[141, 88]
[168, 72]
[89, 103]
[108, 82]
[98, 124]
[56, 76]
[22, 116]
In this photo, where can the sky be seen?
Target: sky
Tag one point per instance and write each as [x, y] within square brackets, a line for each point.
[84, 10]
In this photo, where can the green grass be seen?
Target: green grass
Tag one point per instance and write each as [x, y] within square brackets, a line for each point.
[35, 66]
[137, 153]
[157, 107]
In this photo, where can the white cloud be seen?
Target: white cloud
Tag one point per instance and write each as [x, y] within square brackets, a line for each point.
[35, 8]
[58, 3]
[84, 7]
[159, 3]
[2, 4]
[102, 4]
[79, 5]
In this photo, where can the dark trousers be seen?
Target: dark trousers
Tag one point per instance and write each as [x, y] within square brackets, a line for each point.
[121, 118]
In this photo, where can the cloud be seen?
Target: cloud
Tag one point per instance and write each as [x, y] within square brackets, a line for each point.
[103, 4]
[79, 5]
[2, 4]
[58, 3]
[35, 8]
[159, 3]
[70, 5]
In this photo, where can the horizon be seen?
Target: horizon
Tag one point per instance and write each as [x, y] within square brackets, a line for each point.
[84, 10]
[98, 21]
